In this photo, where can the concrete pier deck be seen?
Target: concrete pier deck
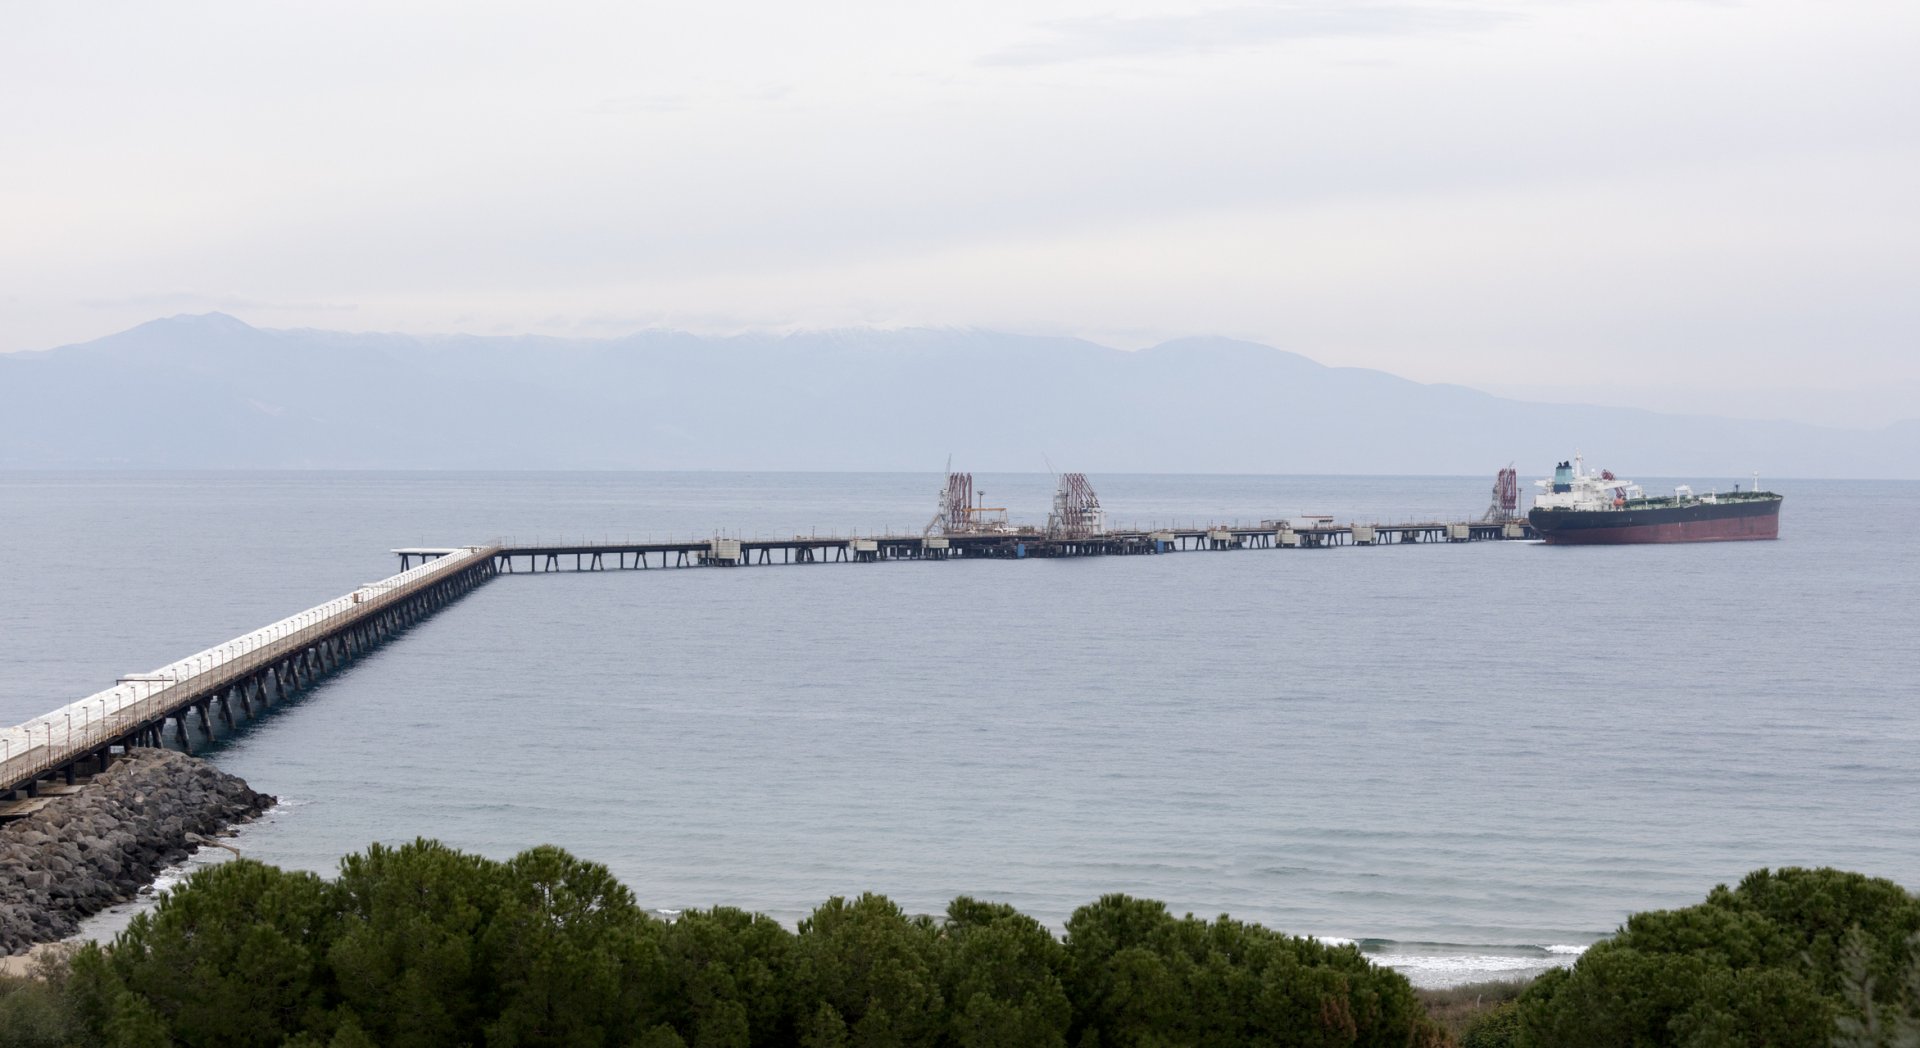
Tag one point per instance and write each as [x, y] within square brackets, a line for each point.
[1017, 544]
[248, 673]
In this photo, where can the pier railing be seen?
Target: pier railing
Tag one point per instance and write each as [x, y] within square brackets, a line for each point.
[56, 739]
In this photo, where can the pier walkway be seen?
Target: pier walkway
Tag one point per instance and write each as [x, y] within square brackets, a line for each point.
[247, 674]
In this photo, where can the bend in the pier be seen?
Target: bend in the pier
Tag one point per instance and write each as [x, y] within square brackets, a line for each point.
[258, 671]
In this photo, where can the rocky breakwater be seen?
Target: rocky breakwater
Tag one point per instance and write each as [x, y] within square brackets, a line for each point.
[88, 850]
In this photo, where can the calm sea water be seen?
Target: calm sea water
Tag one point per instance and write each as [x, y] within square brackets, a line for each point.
[1475, 759]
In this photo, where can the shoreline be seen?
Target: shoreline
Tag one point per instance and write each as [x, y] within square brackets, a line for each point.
[105, 844]
[23, 965]
[1427, 965]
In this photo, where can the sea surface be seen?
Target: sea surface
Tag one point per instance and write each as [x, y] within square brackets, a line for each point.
[1473, 759]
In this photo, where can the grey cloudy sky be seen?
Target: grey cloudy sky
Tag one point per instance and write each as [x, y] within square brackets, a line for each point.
[1651, 198]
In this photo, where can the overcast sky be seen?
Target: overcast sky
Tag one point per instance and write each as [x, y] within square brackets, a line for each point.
[1651, 199]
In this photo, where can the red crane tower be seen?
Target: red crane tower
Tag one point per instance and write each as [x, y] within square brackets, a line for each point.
[1506, 497]
[1076, 509]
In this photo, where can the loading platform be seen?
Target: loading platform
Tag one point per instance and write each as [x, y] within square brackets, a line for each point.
[816, 549]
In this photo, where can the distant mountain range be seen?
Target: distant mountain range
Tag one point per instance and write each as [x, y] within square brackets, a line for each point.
[213, 392]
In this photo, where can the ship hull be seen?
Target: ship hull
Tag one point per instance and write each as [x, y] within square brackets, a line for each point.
[1699, 522]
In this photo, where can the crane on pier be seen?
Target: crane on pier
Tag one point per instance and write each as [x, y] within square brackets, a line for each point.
[1076, 509]
[1506, 497]
[963, 510]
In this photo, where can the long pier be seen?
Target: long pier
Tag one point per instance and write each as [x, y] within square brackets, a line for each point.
[238, 679]
[244, 677]
[1016, 544]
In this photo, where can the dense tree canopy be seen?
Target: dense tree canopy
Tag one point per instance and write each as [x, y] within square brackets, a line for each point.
[1139, 977]
[1790, 958]
[426, 945]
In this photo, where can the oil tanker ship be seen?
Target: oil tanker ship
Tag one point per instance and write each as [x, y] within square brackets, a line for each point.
[1581, 508]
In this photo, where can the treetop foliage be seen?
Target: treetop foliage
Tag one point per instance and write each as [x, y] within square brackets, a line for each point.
[1790, 957]
[426, 945]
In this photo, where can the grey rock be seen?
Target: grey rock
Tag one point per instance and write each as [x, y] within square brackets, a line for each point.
[84, 852]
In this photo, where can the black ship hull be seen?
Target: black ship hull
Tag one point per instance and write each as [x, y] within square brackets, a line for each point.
[1724, 521]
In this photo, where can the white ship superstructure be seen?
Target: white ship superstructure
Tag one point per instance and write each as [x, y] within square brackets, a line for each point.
[1572, 487]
